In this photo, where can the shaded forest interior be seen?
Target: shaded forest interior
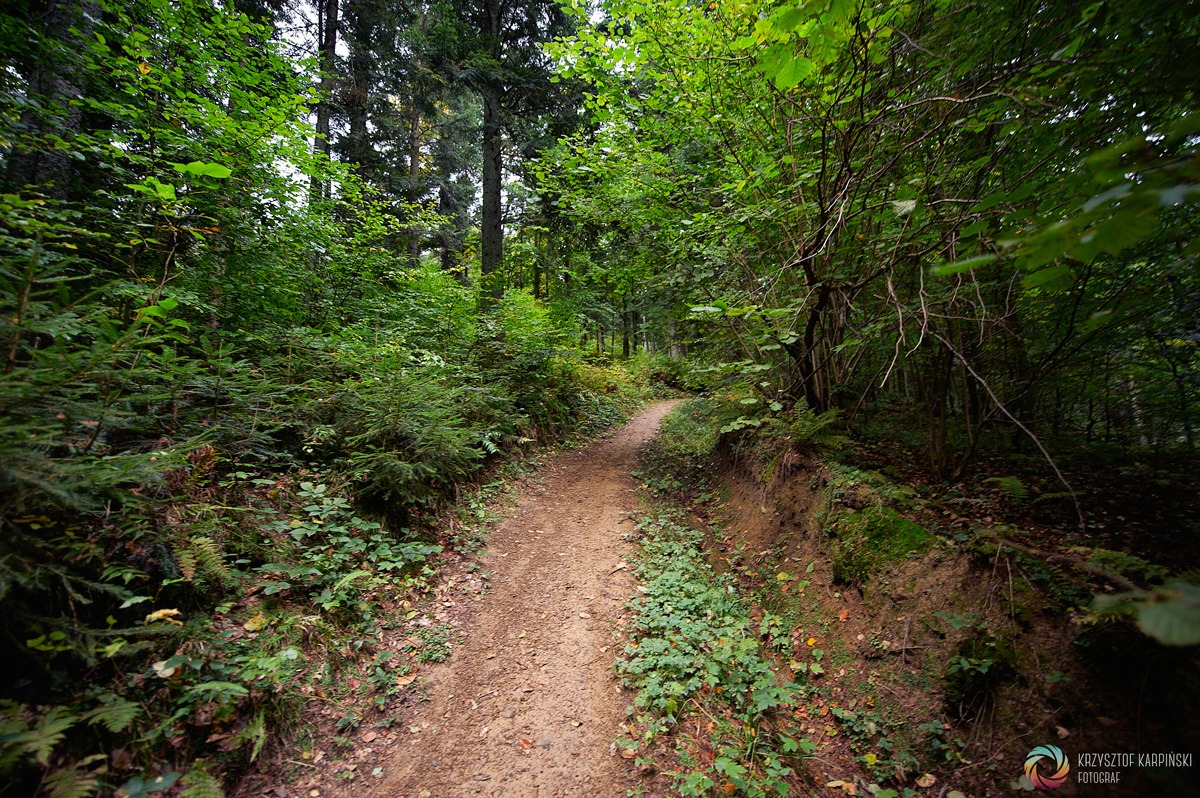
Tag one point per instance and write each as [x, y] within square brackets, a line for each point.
[290, 289]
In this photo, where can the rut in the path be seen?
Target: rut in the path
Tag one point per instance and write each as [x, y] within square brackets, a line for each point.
[528, 705]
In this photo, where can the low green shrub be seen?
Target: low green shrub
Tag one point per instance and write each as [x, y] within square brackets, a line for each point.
[694, 652]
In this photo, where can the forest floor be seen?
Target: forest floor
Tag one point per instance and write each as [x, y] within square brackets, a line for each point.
[528, 703]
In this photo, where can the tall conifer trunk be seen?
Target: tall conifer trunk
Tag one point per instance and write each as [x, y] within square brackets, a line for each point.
[51, 167]
[491, 252]
[492, 234]
[327, 28]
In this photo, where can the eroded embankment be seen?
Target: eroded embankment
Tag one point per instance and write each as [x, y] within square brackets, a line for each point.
[942, 656]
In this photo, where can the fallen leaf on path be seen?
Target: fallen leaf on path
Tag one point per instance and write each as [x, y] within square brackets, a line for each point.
[928, 780]
[369, 737]
[628, 753]
[843, 615]
[621, 566]
[405, 681]
[526, 743]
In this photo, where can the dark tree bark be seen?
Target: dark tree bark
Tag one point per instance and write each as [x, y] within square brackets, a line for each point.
[414, 177]
[492, 233]
[50, 168]
[327, 30]
[356, 97]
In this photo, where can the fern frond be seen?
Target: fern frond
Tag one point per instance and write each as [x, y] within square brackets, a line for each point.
[1013, 488]
[199, 783]
[71, 783]
[186, 558]
[255, 733]
[116, 715]
[39, 741]
[210, 559]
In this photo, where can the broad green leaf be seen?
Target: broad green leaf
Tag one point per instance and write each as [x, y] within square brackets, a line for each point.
[1172, 614]
[792, 72]
[960, 266]
[788, 19]
[1052, 278]
[204, 169]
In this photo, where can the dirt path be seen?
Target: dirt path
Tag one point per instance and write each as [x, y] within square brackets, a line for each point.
[528, 705]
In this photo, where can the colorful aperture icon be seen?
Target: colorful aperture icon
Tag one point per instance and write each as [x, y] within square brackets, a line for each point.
[1047, 767]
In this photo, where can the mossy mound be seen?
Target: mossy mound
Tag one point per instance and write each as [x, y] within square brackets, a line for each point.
[866, 540]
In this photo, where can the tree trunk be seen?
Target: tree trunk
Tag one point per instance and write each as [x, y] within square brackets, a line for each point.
[626, 324]
[414, 179]
[48, 167]
[358, 147]
[491, 253]
[327, 28]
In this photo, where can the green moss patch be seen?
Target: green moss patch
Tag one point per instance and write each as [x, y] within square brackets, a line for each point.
[866, 540]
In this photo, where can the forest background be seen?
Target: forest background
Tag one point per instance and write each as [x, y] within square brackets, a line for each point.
[281, 281]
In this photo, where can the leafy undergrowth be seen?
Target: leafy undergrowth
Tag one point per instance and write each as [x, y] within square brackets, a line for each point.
[176, 603]
[697, 666]
[932, 652]
[731, 698]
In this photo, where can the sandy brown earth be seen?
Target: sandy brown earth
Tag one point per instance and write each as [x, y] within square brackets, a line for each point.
[528, 704]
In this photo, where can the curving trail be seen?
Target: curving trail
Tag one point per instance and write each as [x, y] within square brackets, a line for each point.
[528, 705]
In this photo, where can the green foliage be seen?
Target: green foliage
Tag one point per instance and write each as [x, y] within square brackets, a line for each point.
[983, 661]
[211, 379]
[892, 211]
[1169, 613]
[199, 783]
[1013, 488]
[337, 555]
[691, 431]
[693, 650]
